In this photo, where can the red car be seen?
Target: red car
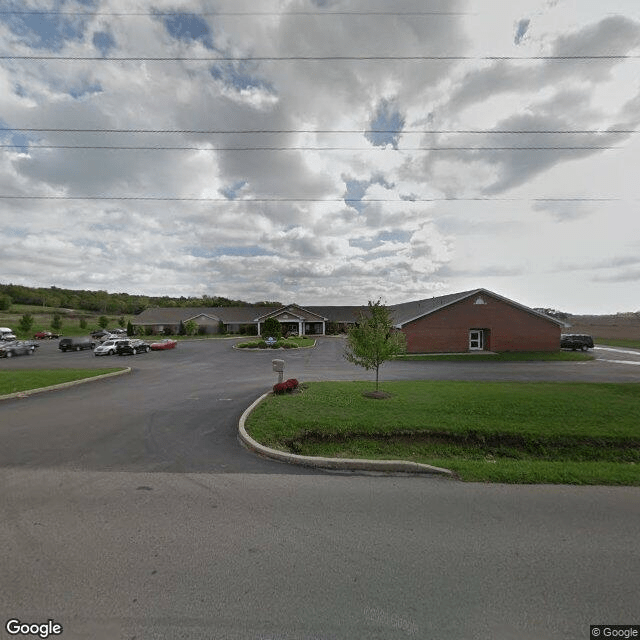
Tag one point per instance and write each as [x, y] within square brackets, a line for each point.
[164, 344]
[46, 335]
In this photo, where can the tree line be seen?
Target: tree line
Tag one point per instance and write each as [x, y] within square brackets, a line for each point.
[104, 302]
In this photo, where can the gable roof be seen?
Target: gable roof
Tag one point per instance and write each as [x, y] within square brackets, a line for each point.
[299, 312]
[175, 315]
[410, 311]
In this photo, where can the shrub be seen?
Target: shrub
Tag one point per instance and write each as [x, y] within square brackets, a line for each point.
[56, 322]
[26, 323]
[285, 387]
[271, 327]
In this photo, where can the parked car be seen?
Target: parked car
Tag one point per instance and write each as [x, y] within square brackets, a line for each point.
[131, 347]
[17, 348]
[576, 341]
[7, 334]
[100, 333]
[167, 343]
[108, 347]
[76, 344]
[46, 335]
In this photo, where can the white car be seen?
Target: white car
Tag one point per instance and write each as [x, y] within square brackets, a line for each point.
[108, 347]
[7, 334]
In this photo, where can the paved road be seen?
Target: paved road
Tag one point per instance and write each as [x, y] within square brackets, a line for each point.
[129, 511]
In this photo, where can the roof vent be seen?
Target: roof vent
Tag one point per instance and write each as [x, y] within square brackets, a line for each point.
[479, 300]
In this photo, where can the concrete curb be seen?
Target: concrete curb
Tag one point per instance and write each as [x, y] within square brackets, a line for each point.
[342, 464]
[63, 385]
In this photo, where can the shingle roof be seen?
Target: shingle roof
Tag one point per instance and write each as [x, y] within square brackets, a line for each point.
[409, 311]
[175, 315]
[401, 313]
[304, 313]
[338, 314]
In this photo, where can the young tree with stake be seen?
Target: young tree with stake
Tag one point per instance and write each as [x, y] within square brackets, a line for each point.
[374, 340]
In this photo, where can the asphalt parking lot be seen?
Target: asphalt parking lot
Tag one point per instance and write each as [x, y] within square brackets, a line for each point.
[178, 410]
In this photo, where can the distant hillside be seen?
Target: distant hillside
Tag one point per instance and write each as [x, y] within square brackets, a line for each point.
[103, 302]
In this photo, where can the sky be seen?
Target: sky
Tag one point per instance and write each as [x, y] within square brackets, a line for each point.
[323, 151]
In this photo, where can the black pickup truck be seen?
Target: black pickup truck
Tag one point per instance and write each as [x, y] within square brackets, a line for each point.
[575, 341]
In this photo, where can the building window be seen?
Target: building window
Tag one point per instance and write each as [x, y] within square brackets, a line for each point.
[479, 300]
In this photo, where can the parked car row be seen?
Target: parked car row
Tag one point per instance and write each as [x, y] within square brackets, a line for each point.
[105, 334]
[112, 346]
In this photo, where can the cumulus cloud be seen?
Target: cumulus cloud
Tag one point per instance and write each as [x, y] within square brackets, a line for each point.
[287, 178]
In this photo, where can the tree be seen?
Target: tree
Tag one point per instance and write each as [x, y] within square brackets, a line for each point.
[374, 340]
[271, 327]
[5, 303]
[56, 322]
[122, 322]
[83, 323]
[191, 327]
[103, 322]
[26, 323]
[130, 329]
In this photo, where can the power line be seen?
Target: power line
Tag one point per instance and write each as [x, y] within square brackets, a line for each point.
[331, 58]
[402, 200]
[36, 12]
[326, 131]
[373, 148]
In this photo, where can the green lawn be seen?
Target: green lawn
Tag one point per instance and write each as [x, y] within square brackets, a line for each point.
[22, 380]
[508, 432]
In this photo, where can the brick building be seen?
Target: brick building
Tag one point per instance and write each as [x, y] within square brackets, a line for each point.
[470, 321]
[477, 320]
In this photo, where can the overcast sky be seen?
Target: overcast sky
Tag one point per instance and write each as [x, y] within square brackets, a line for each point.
[263, 168]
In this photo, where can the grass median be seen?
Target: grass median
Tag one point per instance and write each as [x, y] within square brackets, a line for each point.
[15, 381]
[570, 433]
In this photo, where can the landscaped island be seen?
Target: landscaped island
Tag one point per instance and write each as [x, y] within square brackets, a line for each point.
[571, 433]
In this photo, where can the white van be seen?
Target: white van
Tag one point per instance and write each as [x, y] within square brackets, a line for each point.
[6, 334]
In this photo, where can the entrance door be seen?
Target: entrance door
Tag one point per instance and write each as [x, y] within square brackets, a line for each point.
[476, 340]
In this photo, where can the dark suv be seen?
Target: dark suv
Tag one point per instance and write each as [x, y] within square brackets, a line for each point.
[576, 341]
[75, 344]
[131, 347]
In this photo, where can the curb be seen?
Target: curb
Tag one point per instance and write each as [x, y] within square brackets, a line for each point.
[63, 385]
[342, 464]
